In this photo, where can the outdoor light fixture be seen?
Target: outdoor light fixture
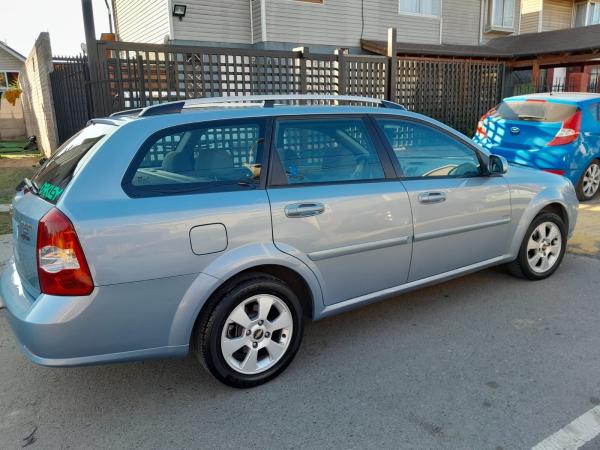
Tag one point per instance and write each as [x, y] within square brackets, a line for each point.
[179, 11]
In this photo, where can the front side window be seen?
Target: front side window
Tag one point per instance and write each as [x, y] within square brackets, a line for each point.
[501, 14]
[214, 157]
[422, 7]
[326, 150]
[423, 151]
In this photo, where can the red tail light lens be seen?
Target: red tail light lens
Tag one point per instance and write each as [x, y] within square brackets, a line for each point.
[569, 131]
[62, 268]
[481, 128]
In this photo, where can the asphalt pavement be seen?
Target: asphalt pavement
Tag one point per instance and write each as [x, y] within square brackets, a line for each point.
[483, 362]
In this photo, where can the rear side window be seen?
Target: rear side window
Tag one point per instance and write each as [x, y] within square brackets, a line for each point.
[326, 150]
[423, 151]
[203, 157]
[595, 110]
[534, 111]
[54, 176]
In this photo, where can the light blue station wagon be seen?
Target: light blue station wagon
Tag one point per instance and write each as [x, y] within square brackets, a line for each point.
[220, 225]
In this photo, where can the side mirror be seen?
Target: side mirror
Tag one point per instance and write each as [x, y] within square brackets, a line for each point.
[497, 165]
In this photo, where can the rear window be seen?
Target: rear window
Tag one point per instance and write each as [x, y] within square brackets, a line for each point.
[534, 111]
[218, 156]
[54, 176]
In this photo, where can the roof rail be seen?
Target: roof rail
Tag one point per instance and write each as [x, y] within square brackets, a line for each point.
[255, 100]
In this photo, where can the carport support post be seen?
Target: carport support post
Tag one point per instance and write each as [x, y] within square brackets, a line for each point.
[535, 75]
[92, 57]
[392, 55]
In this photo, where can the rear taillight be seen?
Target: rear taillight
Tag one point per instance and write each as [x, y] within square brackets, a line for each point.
[481, 127]
[62, 268]
[569, 131]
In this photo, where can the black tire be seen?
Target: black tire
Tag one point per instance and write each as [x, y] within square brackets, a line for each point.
[581, 195]
[207, 334]
[520, 267]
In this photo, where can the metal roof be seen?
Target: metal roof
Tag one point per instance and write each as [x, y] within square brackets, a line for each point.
[579, 39]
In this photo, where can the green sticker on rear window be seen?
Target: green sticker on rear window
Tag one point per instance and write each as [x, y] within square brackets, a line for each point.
[50, 191]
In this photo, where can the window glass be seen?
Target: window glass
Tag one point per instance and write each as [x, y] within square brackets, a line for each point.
[580, 13]
[595, 110]
[203, 157]
[534, 111]
[423, 151]
[327, 150]
[425, 7]
[501, 13]
[56, 173]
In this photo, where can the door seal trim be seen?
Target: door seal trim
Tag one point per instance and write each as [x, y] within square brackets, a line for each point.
[449, 231]
[357, 248]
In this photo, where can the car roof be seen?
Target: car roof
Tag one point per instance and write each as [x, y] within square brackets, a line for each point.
[559, 97]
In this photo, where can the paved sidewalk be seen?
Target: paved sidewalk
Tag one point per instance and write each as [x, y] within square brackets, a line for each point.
[586, 239]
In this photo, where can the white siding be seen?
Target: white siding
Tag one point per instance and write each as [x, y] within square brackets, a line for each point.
[557, 14]
[338, 22]
[215, 21]
[461, 20]
[142, 20]
[9, 63]
[531, 13]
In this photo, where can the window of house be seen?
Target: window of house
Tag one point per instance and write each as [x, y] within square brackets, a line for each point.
[587, 13]
[7, 79]
[422, 7]
[500, 14]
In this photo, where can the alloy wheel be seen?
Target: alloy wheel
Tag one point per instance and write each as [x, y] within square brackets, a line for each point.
[544, 247]
[256, 334]
[591, 180]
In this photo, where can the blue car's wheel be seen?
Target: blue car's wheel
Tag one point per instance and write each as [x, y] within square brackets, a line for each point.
[589, 184]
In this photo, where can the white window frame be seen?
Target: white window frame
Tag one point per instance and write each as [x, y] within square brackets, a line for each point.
[401, 12]
[6, 72]
[490, 19]
[588, 9]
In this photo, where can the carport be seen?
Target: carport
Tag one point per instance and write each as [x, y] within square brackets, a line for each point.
[561, 60]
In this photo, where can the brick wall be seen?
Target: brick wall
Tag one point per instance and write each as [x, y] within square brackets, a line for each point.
[38, 106]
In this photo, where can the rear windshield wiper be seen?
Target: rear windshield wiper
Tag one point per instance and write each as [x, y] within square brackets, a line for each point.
[29, 184]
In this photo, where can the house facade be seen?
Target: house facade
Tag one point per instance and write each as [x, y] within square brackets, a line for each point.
[12, 120]
[284, 24]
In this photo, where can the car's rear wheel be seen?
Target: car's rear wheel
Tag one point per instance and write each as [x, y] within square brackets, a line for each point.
[589, 184]
[251, 333]
[542, 249]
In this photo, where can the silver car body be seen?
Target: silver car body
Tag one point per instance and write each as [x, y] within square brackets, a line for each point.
[155, 261]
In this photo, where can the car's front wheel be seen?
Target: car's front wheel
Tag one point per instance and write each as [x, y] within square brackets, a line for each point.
[251, 333]
[589, 184]
[542, 249]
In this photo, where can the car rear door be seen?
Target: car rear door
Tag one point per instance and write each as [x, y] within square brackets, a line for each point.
[461, 216]
[336, 206]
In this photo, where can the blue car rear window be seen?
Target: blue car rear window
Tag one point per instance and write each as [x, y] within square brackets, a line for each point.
[534, 111]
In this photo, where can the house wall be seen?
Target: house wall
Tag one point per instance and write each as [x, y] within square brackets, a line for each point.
[12, 121]
[557, 14]
[531, 16]
[38, 104]
[142, 20]
[460, 21]
[215, 21]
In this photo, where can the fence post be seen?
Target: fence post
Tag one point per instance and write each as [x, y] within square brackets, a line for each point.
[342, 70]
[303, 53]
[392, 62]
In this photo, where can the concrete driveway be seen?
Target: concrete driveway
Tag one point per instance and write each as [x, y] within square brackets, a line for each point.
[483, 362]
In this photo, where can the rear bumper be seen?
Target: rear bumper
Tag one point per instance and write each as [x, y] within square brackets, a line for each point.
[110, 325]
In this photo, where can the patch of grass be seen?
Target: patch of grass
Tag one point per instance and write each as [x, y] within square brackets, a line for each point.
[9, 178]
[5, 223]
[16, 149]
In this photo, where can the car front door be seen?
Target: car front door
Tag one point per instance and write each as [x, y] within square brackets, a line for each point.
[334, 208]
[461, 215]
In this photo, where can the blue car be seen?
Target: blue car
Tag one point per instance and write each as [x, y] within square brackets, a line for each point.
[554, 132]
